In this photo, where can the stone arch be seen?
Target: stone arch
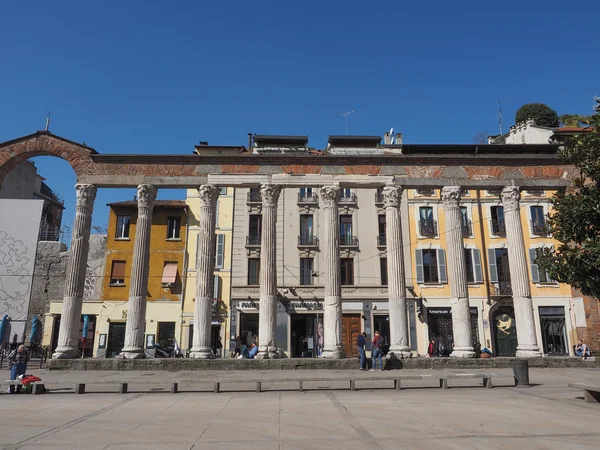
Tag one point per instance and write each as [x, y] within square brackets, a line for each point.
[44, 143]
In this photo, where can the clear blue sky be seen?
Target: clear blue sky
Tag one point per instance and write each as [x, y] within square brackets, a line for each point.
[158, 76]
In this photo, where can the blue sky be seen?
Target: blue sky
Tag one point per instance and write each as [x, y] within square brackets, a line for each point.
[157, 77]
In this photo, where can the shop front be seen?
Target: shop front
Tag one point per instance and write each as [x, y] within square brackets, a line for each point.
[439, 321]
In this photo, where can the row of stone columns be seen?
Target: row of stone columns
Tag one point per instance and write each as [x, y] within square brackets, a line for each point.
[333, 347]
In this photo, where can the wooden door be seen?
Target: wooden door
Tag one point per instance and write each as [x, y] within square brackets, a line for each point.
[350, 332]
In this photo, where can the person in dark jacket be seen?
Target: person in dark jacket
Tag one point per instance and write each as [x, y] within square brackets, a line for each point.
[18, 359]
[360, 343]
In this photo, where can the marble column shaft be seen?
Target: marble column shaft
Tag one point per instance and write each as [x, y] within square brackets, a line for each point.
[267, 327]
[332, 316]
[68, 336]
[205, 267]
[138, 282]
[399, 328]
[457, 274]
[527, 345]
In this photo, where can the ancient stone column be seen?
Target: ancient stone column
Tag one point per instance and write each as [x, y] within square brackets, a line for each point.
[205, 267]
[332, 315]
[267, 325]
[68, 335]
[399, 344]
[138, 282]
[527, 345]
[457, 274]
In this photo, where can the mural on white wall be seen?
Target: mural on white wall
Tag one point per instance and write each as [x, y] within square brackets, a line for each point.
[19, 228]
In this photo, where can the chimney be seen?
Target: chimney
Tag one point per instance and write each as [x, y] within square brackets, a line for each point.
[387, 138]
[249, 142]
[398, 138]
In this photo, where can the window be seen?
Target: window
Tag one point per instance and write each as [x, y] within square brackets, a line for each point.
[383, 269]
[381, 228]
[220, 251]
[306, 229]
[465, 223]
[216, 287]
[346, 193]
[538, 275]
[500, 270]
[307, 195]
[254, 196]
[427, 225]
[173, 228]
[117, 273]
[473, 265]
[306, 271]
[254, 229]
[431, 266]
[222, 191]
[166, 334]
[169, 277]
[497, 214]
[347, 267]
[217, 214]
[538, 220]
[253, 271]
[426, 192]
[346, 225]
[123, 223]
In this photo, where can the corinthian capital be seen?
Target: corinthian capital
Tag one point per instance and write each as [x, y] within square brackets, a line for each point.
[329, 195]
[451, 196]
[392, 196]
[511, 196]
[86, 194]
[146, 194]
[208, 194]
[270, 194]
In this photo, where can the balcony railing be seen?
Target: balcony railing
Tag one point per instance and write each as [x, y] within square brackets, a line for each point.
[539, 227]
[348, 241]
[498, 226]
[381, 240]
[428, 227]
[253, 197]
[378, 198]
[253, 240]
[501, 289]
[307, 199]
[308, 241]
[348, 199]
[466, 228]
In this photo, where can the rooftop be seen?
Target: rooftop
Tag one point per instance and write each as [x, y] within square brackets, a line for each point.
[266, 140]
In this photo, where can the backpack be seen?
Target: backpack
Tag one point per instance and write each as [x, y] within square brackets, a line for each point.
[380, 342]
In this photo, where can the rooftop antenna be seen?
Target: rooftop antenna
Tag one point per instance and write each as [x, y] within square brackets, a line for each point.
[48, 122]
[392, 137]
[346, 114]
[500, 115]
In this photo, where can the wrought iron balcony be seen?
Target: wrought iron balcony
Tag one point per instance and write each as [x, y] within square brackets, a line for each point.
[501, 289]
[498, 226]
[466, 228]
[539, 227]
[428, 227]
[379, 197]
[253, 240]
[254, 197]
[349, 199]
[308, 241]
[307, 199]
[347, 240]
[381, 240]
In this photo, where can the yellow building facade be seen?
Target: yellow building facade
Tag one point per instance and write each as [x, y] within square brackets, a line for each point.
[489, 286]
[222, 274]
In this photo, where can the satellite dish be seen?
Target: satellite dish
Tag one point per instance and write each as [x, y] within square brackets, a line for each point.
[392, 137]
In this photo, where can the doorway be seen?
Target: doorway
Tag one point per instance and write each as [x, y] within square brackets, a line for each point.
[350, 332]
[505, 331]
[304, 342]
[554, 332]
[166, 334]
[215, 332]
[248, 327]
[116, 339]
[381, 323]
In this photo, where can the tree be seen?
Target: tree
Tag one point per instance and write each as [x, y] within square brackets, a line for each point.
[542, 114]
[575, 221]
[481, 137]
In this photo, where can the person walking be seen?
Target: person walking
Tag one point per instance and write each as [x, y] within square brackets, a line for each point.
[218, 347]
[18, 360]
[361, 341]
[378, 342]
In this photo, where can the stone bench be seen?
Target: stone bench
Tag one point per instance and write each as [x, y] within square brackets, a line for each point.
[591, 392]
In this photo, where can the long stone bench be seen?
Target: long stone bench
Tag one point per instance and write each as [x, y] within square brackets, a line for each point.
[591, 392]
[397, 379]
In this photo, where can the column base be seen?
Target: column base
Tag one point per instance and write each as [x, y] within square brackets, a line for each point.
[270, 353]
[65, 353]
[133, 353]
[336, 353]
[400, 352]
[201, 353]
[463, 352]
[528, 353]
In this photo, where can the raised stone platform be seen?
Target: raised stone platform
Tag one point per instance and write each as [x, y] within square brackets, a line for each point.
[178, 364]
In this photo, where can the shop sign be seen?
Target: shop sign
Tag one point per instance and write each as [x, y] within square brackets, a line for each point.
[309, 306]
[248, 305]
[447, 311]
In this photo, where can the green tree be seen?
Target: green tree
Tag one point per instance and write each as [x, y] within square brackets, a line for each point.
[542, 114]
[575, 221]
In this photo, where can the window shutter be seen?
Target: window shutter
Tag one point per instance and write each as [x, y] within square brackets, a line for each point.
[419, 263]
[476, 256]
[216, 287]
[493, 268]
[220, 254]
[217, 214]
[535, 273]
[441, 255]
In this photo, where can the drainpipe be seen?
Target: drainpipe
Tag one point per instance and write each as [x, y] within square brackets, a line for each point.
[185, 272]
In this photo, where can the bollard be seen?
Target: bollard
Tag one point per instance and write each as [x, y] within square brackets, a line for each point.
[521, 372]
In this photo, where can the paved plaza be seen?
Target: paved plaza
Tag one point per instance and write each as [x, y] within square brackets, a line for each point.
[547, 415]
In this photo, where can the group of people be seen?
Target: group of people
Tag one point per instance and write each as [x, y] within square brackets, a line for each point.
[377, 350]
[242, 351]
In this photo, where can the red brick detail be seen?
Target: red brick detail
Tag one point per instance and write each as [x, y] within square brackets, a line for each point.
[239, 168]
[483, 173]
[424, 171]
[151, 170]
[543, 172]
[591, 333]
[301, 169]
[362, 170]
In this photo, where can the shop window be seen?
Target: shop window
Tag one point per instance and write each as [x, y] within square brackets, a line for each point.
[166, 334]
[554, 332]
